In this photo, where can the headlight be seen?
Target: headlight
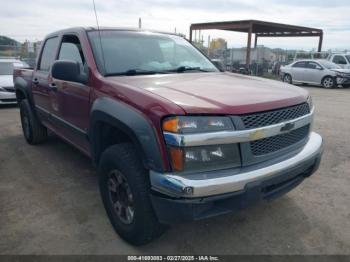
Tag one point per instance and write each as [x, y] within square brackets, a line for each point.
[309, 102]
[196, 124]
[341, 75]
[201, 158]
[204, 158]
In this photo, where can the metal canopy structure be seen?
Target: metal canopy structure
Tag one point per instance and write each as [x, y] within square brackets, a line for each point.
[261, 29]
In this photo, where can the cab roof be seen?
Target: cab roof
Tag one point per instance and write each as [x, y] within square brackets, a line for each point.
[94, 28]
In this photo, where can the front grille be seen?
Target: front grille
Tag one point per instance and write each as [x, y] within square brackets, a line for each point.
[275, 116]
[275, 143]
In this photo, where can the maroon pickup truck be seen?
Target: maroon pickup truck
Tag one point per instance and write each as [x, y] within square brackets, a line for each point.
[173, 138]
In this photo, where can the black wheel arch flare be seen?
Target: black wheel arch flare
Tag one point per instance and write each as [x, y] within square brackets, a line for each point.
[132, 123]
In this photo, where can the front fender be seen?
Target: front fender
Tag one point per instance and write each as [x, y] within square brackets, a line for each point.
[131, 122]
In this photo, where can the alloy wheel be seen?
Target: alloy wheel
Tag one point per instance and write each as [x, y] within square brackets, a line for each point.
[121, 197]
[288, 79]
[328, 82]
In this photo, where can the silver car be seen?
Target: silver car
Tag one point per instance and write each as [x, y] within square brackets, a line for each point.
[7, 91]
[316, 72]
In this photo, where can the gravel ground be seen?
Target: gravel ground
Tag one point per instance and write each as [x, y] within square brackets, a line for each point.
[50, 204]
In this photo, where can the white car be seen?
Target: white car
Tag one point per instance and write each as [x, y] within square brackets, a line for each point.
[316, 72]
[342, 60]
[7, 91]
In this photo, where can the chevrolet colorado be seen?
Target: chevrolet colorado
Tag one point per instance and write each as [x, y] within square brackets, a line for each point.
[172, 137]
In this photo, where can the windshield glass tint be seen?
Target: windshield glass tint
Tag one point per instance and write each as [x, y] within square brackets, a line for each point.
[329, 65]
[142, 51]
[348, 58]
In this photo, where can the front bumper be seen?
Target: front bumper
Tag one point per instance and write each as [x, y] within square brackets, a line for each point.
[7, 98]
[179, 198]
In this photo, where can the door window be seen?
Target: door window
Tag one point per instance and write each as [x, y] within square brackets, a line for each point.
[340, 60]
[48, 54]
[300, 65]
[313, 65]
[71, 50]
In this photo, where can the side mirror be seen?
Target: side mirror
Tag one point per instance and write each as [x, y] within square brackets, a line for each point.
[68, 71]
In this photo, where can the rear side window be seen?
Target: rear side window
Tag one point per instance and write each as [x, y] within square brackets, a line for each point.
[300, 65]
[48, 54]
[338, 59]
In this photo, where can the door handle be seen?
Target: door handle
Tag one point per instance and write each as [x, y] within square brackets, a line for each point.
[53, 87]
[35, 81]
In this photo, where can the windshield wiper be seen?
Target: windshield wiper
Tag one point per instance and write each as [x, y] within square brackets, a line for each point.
[133, 72]
[181, 69]
[136, 71]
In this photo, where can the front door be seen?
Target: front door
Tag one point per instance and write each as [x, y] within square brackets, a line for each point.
[70, 101]
[313, 73]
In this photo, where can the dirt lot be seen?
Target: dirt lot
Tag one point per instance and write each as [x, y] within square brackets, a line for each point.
[50, 204]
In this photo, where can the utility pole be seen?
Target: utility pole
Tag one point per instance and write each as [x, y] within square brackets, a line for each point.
[140, 23]
[208, 45]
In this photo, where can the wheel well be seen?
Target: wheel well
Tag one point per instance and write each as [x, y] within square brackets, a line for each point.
[326, 76]
[106, 135]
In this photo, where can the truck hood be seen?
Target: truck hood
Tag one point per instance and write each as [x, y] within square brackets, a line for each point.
[6, 80]
[218, 93]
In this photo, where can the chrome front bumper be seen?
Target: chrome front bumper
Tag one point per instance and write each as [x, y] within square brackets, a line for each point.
[227, 181]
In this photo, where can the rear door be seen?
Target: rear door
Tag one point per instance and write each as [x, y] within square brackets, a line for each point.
[298, 71]
[42, 78]
[70, 100]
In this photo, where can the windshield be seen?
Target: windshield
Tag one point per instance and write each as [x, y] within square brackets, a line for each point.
[126, 52]
[348, 58]
[6, 68]
[329, 65]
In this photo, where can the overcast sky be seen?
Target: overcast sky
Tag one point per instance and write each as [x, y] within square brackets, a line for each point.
[34, 19]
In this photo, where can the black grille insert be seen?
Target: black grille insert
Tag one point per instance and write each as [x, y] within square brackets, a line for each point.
[275, 117]
[275, 143]
[9, 89]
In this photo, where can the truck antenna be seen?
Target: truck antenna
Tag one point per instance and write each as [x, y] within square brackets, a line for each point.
[99, 35]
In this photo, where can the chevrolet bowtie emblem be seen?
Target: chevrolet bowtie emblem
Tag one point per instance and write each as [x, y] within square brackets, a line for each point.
[287, 127]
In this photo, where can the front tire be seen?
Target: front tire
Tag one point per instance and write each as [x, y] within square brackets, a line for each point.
[287, 78]
[34, 132]
[125, 191]
[328, 82]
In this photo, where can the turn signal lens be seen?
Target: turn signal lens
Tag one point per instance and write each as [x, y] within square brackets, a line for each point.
[177, 160]
[171, 125]
[197, 124]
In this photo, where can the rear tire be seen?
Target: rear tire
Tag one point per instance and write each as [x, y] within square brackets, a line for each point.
[287, 78]
[34, 132]
[125, 191]
[328, 82]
